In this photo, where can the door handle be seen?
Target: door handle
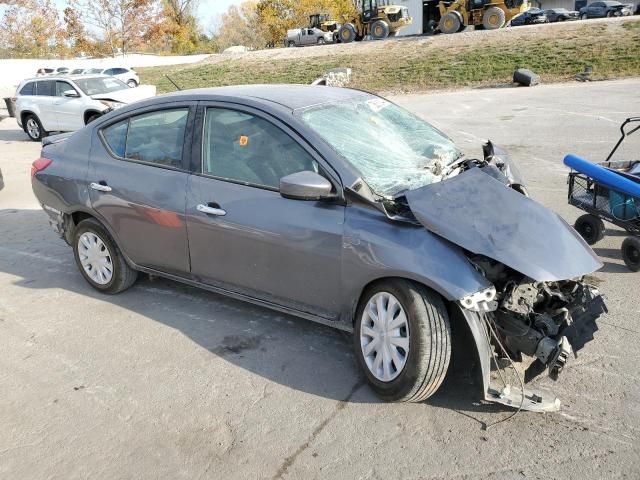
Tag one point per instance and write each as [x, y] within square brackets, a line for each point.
[100, 187]
[211, 210]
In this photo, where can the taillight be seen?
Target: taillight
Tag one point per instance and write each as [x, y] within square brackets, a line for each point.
[39, 165]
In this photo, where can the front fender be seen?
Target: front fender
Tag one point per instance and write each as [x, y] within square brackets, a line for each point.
[376, 247]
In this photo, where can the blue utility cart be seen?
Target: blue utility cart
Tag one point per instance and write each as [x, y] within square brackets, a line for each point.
[608, 191]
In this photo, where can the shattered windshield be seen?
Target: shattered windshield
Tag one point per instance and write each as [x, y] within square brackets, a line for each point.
[391, 148]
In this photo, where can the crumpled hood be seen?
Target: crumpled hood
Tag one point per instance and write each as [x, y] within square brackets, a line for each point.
[483, 216]
[128, 95]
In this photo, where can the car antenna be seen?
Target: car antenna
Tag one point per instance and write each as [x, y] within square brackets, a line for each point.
[174, 83]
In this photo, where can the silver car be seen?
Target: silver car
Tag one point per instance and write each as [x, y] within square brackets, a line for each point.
[337, 206]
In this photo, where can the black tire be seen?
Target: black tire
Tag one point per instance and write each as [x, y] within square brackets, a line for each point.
[584, 16]
[33, 128]
[132, 83]
[429, 351]
[631, 253]
[380, 30]
[590, 227]
[321, 41]
[609, 14]
[347, 33]
[123, 275]
[450, 23]
[493, 18]
[92, 117]
[291, 44]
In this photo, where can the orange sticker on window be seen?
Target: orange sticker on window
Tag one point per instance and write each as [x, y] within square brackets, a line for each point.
[244, 140]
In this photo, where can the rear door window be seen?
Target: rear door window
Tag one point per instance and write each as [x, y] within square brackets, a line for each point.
[45, 88]
[155, 137]
[116, 137]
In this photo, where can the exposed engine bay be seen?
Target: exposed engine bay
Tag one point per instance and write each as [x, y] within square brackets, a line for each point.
[548, 321]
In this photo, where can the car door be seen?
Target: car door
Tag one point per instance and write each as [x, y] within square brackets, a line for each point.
[595, 10]
[45, 96]
[68, 110]
[246, 238]
[137, 181]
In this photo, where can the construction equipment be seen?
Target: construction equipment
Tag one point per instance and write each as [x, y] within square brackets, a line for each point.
[323, 22]
[483, 14]
[376, 19]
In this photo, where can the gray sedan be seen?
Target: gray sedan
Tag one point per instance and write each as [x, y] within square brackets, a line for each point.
[337, 206]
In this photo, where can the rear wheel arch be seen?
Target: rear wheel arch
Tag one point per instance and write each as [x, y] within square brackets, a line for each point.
[74, 218]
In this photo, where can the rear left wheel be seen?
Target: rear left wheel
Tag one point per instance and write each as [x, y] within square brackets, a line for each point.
[99, 259]
[347, 33]
[402, 340]
[132, 83]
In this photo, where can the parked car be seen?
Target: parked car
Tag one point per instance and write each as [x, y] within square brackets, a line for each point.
[299, 37]
[63, 103]
[79, 71]
[608, 8]
[264, 193]
[561, 15]
[1, 180]
[530, 17]
[126, 75]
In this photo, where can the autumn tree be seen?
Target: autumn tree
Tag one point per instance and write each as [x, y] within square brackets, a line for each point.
[180, 23]
[122, 23]
[31, 28]
[240, 25]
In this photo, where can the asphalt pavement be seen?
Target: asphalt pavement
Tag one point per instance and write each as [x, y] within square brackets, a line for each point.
[167, 381]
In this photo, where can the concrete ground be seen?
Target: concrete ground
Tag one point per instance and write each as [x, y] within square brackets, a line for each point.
[166, 381]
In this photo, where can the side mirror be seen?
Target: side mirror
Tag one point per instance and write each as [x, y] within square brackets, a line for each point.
[70, 93]
[305, 185]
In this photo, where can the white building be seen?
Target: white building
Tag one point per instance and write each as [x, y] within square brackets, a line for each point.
[423, 11]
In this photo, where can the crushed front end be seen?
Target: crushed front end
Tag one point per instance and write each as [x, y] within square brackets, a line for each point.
[547, 321]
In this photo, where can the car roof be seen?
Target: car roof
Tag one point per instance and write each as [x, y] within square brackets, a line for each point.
[64, 77]
[290, 96]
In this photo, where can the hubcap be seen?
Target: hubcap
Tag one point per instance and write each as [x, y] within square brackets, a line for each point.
[33, 128]
[95, 258]
[493, 20]
[384, 336]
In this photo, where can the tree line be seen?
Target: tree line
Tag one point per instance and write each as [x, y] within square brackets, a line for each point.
[37, 28]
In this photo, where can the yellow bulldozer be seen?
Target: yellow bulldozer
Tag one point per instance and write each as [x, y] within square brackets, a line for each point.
[375, 18]
[455, 15]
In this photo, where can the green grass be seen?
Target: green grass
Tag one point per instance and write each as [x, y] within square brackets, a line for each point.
[610, 48]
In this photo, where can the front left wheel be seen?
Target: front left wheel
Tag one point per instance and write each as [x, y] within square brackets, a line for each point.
[100, 260]
[402, 340]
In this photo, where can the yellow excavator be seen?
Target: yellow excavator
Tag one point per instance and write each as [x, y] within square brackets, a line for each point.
[483, 14]
[375, 18]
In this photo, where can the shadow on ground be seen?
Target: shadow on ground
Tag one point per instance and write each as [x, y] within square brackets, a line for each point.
[284, 349]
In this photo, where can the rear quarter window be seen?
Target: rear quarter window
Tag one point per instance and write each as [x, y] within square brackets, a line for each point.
[27, 89]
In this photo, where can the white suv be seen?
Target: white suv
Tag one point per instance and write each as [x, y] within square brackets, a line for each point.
[127, 75]
[65, 104]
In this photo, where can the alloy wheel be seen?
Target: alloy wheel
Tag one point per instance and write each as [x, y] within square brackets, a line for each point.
[384, 336]
[33, 129]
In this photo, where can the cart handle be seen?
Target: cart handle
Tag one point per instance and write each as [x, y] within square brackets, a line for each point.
[624, 135]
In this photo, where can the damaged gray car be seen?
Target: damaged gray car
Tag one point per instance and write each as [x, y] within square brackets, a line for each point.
[337, 206]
